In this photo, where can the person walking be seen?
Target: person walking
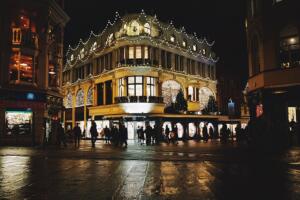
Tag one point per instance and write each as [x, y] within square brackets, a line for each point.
[148, 132]
[167, 133]
[205, 133]
[62, 136]
[77, 134]
[94, 133]
[106, 134]
[123, 135]
[140, 133]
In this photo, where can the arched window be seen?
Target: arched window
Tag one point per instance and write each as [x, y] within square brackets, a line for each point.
[81, 55]
[184, 43]
[80, 98]
[68, 100]
[170, 90]
[110, 39]
[255, 55]
[289, 47]
[204, 94]
[147, 28]
[90, 97]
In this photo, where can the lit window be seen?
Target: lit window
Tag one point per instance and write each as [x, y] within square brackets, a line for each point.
[69, 99]
[121, 86]
[194, 47]
[190, 93]
[292, 114]
[21, 67]
[203, 51]
[146, 53]
[72, 57]
[204, 94]
[131, 52]
[172, 38]
[109, 39]
[81, 53]
[184, 43]
[289, 47]
[90, 97]
[138, 53]
[170, 89]
[151, 85]
[135, 86]
[94, 46]
[25, 22]
[147, 28]
[80, 98]
[134, 28]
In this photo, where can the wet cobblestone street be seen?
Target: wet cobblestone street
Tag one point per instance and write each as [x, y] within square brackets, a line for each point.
[186, 171]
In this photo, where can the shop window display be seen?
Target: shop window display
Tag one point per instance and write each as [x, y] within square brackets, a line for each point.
[18, 122]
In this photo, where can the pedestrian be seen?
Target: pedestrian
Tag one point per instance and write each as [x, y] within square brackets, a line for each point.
[224, 133]
[140, 133]
[205, 132]
[167, 132]
[175, 135]
[211, 132]
[148, 132]
[94, 133]
[123, 135]
[106, 134]
[77, 134]
[62, 136]
[238, 132]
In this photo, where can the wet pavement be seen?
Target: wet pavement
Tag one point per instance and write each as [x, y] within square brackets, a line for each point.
[186, 171]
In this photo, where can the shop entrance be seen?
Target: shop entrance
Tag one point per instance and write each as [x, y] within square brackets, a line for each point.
[132, 127]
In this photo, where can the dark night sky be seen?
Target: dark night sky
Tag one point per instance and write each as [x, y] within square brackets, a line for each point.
[222, 21]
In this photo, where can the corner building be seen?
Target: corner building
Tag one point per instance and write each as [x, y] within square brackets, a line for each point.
[31, 63]
[273, 31]
[133, 70]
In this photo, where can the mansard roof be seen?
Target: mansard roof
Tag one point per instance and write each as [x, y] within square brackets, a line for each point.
[133, 27]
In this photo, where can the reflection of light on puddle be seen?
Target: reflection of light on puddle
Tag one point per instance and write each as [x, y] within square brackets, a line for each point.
[14, 173]
[169, 174]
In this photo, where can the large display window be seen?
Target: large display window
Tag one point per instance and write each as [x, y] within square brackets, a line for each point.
[18, 122]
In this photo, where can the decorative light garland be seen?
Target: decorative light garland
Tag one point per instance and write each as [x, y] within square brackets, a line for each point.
[154, 20]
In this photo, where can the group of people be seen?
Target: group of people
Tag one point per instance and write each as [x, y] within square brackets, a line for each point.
[149, 135]
[116, 136]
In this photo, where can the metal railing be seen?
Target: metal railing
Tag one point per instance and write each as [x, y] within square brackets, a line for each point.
[139, 99]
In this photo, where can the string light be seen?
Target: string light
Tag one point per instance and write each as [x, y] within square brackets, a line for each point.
[87, 53]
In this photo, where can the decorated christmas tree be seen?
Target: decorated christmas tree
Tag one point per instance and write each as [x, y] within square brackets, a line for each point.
[211, 106]
[180, 103]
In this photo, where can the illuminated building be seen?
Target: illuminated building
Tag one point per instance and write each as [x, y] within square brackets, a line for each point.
[133, 70]
[274, 63]
[31, 59]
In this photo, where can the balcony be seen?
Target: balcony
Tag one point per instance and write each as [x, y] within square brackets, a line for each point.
[139, 99]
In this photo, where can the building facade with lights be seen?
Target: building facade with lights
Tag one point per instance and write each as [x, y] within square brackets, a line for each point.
[133, 70]
[31, 59]
[274, 64]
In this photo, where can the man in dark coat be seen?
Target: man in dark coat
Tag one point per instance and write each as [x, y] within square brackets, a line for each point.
[77, 134]
[94, 133]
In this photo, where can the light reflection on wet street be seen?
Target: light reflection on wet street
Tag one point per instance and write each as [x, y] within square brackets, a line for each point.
[50, 177]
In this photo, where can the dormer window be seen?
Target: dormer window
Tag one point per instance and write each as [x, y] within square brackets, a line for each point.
[172, 38]
[94, 46]
[81, 53]
[134, 28]
[184, 43]
[109, 39]
[194, 47]
[72, 57]
[203, 51]
[147, 28]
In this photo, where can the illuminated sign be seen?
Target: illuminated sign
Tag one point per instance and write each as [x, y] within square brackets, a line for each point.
[30, 96]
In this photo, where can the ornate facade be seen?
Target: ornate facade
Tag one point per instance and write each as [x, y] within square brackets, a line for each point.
[133, 70]
[31, 60]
